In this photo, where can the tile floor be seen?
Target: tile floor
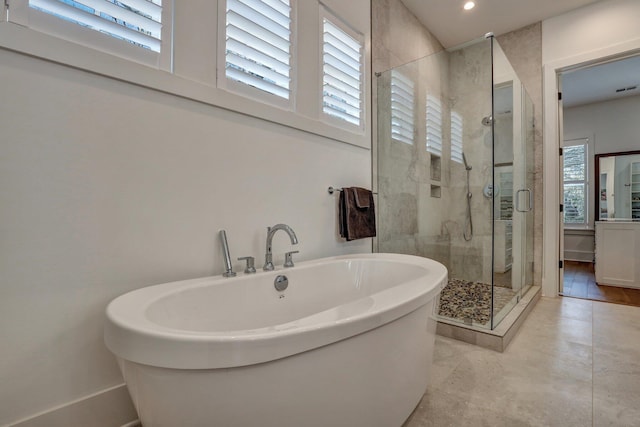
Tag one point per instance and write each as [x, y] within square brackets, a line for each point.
[573, 363]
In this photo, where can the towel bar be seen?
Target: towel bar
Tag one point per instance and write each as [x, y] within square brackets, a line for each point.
[331, 190]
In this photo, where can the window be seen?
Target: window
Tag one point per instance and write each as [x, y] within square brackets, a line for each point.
[257, 51]
[342, 73]
[138, 22]
[456, 137]
[434, 126]
[137, 30]
[575, 184]
[402, 99]
[213, 51]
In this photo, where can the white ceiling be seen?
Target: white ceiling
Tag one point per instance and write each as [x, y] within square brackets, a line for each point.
[452, 25]
[600, 82]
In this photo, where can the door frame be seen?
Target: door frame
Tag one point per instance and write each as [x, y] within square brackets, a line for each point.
[551, 159]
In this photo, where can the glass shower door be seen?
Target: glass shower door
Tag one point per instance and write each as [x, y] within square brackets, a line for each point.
[523, 158]
[513, 224]
[513, 183]
[526, 211]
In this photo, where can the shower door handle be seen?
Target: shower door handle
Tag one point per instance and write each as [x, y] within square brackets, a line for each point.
[517, 201]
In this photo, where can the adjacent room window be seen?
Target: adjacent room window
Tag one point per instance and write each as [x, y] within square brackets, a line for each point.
[138, 22]
[434, 126]
[402, 108]
[257, 46]
[456, 137]
[575, 184]
[342, 71]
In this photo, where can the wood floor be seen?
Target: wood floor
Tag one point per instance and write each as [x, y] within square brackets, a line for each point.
[580, 282]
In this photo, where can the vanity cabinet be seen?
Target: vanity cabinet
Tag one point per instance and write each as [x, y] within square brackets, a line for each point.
[503, 246]
[618, 253]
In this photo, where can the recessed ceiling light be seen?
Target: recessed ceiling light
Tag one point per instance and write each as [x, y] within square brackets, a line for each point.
[469, 5]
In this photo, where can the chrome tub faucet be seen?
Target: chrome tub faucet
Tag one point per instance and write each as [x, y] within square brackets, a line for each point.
[268, 258]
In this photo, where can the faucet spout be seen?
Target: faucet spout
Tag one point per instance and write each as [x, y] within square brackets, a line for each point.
[271, 231]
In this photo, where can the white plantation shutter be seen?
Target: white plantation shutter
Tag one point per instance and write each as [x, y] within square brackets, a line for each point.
[342, 74]
[434, 125]
[456, 137]
[136, 21]
[402, 107]
[258, 44]
[575, 184]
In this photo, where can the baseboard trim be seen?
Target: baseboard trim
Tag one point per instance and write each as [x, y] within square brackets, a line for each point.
[106, 408]
[579, 256]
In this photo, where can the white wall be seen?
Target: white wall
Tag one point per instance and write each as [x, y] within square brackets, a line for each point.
[602, 24]
[611, 126]
[579, 245]
[600, 30]
[614, 124]
[108, 187]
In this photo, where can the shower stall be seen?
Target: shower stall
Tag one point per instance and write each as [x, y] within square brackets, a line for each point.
[454, 175]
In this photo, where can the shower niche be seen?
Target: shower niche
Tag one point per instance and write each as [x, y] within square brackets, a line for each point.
[450, 125]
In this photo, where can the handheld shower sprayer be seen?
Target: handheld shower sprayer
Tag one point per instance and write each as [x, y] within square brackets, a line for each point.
[466, 165]
[468, 223]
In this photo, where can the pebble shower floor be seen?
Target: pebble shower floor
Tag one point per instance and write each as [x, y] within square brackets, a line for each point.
[466, 300]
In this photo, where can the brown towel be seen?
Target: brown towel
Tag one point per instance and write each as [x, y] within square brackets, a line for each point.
[357, 213]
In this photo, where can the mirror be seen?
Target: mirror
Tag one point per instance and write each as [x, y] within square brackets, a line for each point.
[618, 186]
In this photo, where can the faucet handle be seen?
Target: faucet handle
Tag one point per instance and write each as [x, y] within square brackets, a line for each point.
[251, 267]
[288, 258]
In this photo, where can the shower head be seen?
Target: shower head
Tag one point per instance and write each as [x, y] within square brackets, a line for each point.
[487, 121]
[466, 165]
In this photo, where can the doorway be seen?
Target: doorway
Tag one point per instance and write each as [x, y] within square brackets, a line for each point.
[598, 110]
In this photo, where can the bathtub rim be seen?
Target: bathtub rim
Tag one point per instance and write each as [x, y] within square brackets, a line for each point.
[158, 345]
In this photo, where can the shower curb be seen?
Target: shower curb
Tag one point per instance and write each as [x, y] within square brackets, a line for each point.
[499, 338]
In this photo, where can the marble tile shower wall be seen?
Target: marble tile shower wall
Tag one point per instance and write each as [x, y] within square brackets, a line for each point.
[470, 96]
[397, 36]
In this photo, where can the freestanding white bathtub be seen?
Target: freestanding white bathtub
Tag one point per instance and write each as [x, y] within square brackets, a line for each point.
[348, 343]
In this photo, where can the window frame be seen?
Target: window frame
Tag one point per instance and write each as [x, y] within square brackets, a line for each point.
[335, 20]
[247, 91]
[19, 12]
[193, 80]
[584, 182]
